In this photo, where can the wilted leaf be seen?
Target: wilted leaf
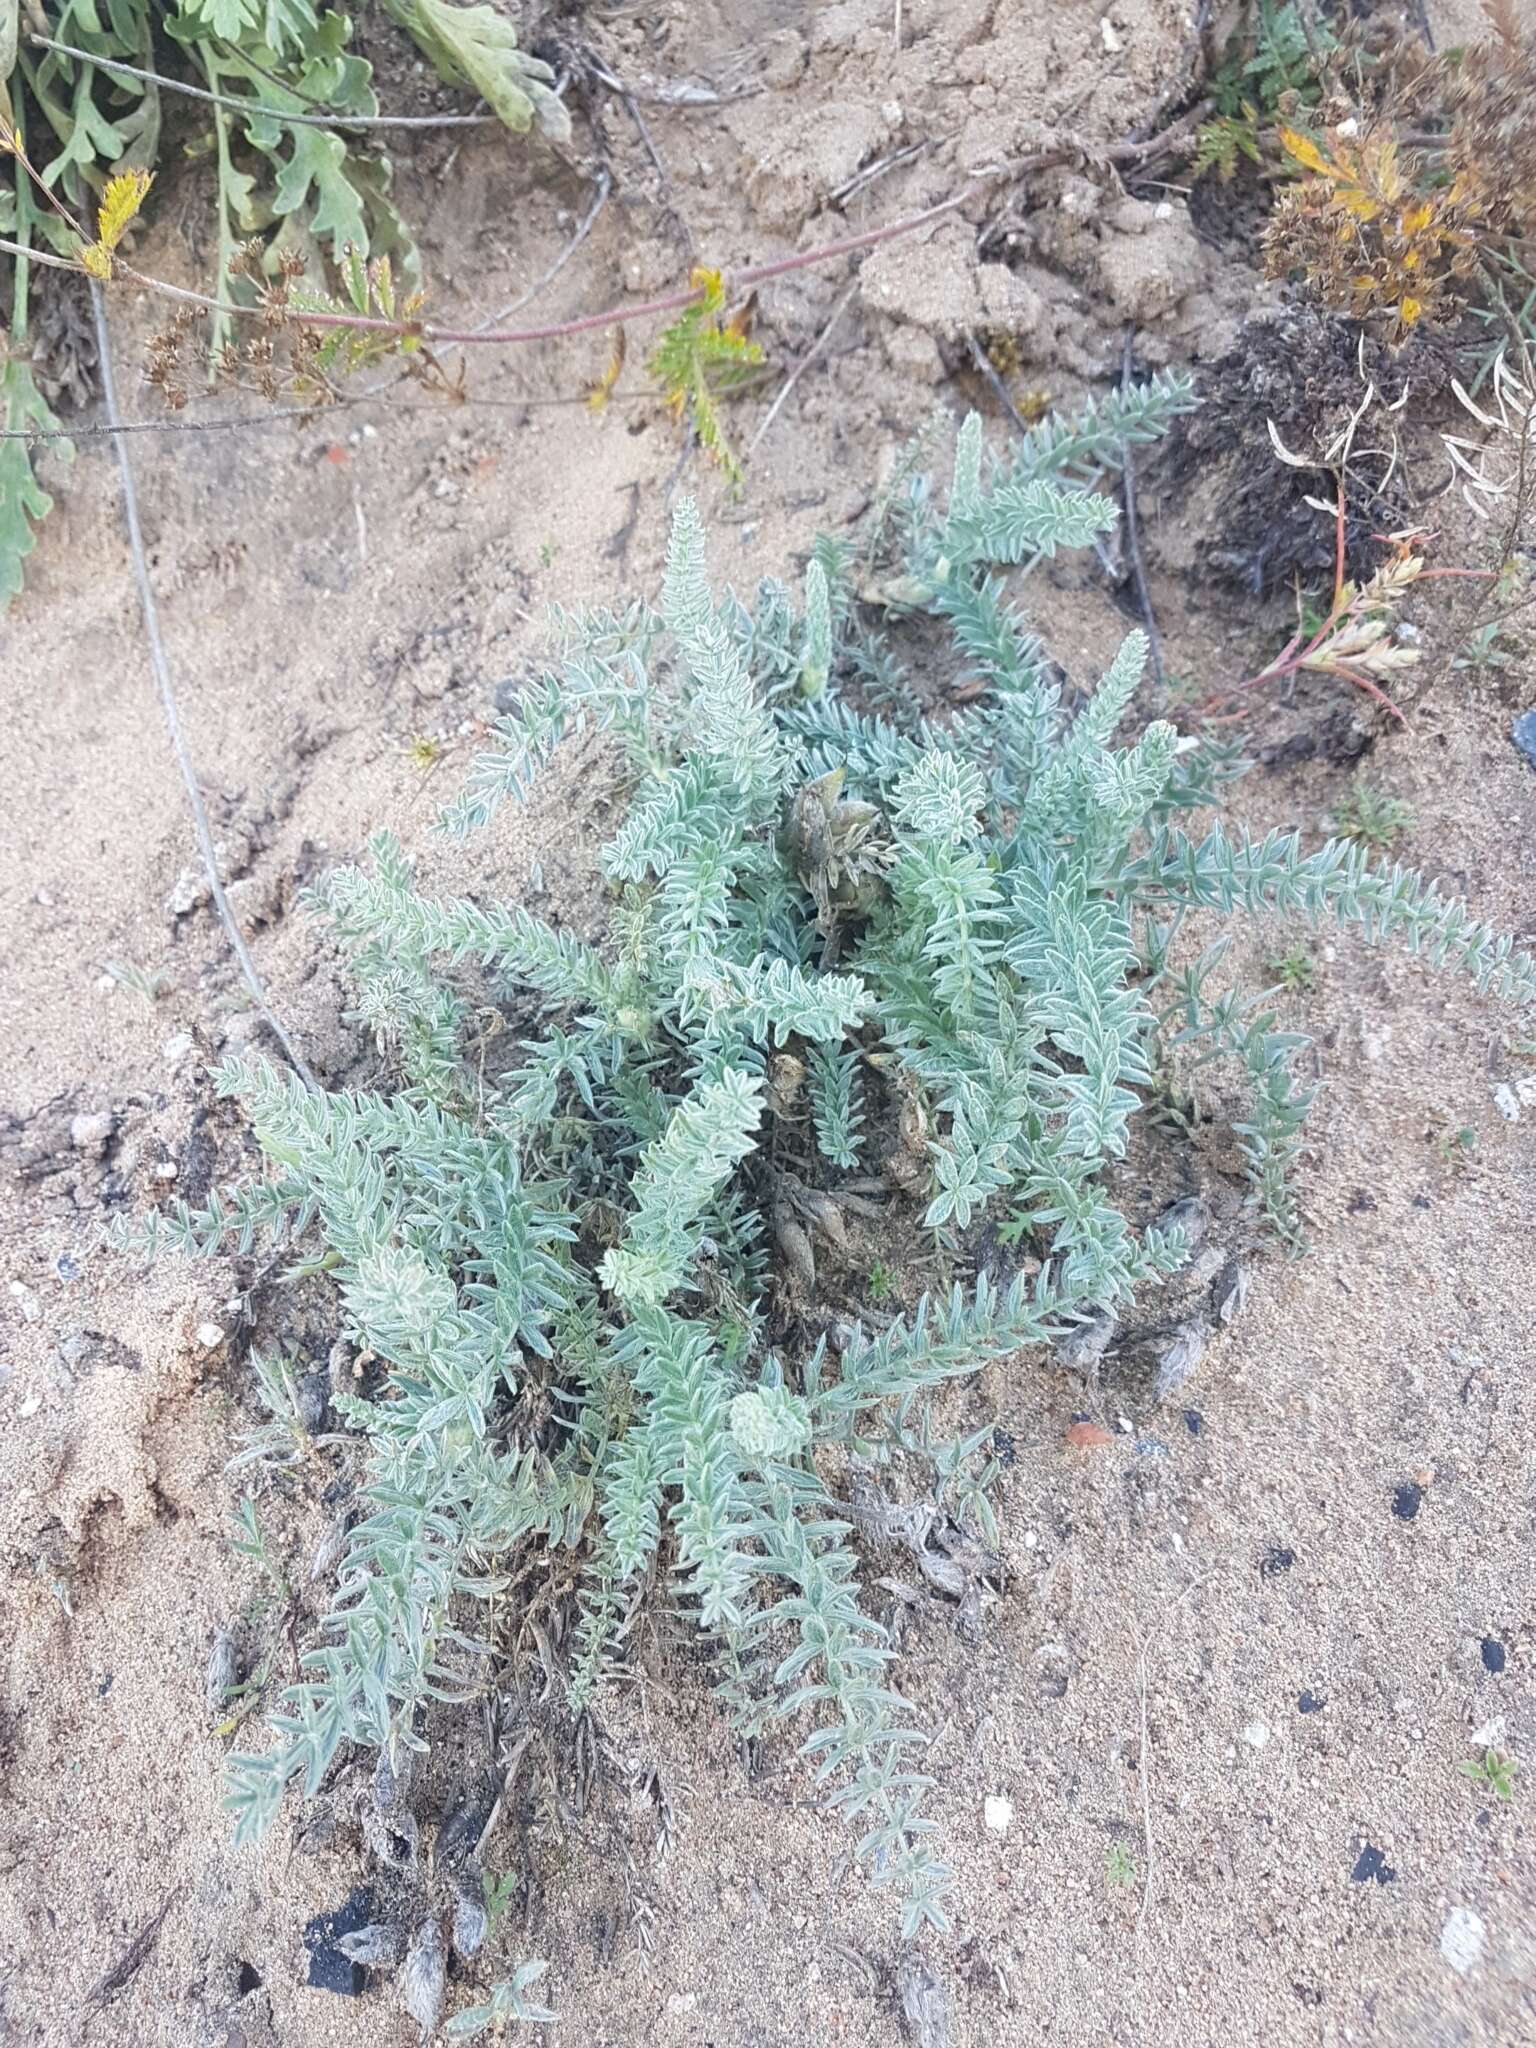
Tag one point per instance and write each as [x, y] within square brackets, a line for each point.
[1305, 151]
[478, 46]
[23, 501]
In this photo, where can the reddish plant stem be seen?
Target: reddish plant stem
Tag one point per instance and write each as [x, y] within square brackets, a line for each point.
[668, 302]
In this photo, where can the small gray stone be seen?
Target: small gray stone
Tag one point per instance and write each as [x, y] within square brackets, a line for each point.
[243, 1029]
[1463, 1939]
[92, 1131]
[1523, 733]
[188, 894]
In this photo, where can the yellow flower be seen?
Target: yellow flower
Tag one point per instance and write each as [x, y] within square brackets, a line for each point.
[119, 203]
[124, 195]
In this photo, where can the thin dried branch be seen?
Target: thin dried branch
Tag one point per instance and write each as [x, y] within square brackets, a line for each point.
[162, 673]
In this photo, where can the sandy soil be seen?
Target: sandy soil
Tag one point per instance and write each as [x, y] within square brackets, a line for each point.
[1229, 1664]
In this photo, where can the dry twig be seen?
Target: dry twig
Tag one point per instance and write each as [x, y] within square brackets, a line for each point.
[134, 1956]
[802, 366]
[254, 111]
[668, 302]
[162, 673]
[1133, 526]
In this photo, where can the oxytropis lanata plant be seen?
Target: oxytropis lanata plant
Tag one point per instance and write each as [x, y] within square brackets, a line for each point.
[847, 958]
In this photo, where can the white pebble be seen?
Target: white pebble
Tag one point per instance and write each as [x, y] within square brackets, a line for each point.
[1256, 1734]
[91, 1131]
[26, 1301]
[210, 1336]
[167, 1170]
[1463, 1939]
[176, 1049]
[997, 1812]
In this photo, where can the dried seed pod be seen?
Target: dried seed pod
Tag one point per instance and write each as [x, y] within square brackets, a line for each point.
[395, 1841]
[328, 1551]
[310, 1402]
[825, 1212]
[460, 1833]
[943, 1572]
[375, 1947]
[471, 1922]
[786, 1083]
[342, 1371]
[794, 1242]
[223, 1670]
[1081, 1348]
[925, 2004]
[881, 1520]
[393, 1770]
[1180, 1355]
[423, 1978]
[1190, 1214]
[1229, 1292]
[912, 1124]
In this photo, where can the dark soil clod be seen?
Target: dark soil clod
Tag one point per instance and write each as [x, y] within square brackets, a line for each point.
[1371, 1864]
[1276, 1561]
[329, 1968]
[1305, 372]
[1407, 1499]
[1310, 1703]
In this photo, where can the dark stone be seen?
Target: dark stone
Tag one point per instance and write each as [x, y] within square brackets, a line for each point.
[1360, 1201]
[508, 693]
[329, 1969]
[249, 1979]
[1523, 733]
[1301, 746]
[1407, 1499]
[1194, 1421]
[1276, 1561]
[313, 1397]
[1310, 1703]
[1372, 1864]
[1493, 1655]
[66, 1266]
